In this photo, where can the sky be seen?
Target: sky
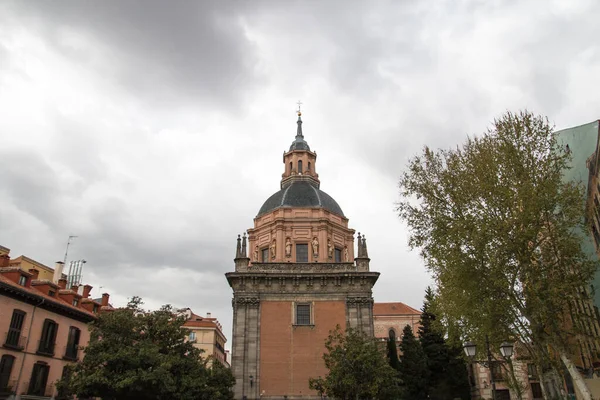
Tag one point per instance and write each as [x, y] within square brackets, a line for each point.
[154, 131]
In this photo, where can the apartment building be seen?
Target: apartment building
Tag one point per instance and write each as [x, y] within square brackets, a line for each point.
[43, 325]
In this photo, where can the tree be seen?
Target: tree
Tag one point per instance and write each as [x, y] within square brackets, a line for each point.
[500, 231]
[392, 351]
[448, 378]
[413, 366]
[357, 369]
[134, 354]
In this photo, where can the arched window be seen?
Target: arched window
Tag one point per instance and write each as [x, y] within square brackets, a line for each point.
[392, 334]
[308, 169]
[290, 167]
[299, 166]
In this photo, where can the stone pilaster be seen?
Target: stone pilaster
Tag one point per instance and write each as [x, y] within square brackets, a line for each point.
[246, 346]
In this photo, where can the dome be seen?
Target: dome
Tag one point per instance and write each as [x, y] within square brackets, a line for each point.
[301, 194]
[299, 144]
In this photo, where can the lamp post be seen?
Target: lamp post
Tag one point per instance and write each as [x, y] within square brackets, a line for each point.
[506, 349]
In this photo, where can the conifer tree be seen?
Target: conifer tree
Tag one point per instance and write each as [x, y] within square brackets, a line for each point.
[392, 351]
[413, 366]
[448, 377]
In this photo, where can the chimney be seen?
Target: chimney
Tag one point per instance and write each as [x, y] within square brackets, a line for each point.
[208, 315]
[4, 260]
[86, 291]
[62, 283]
[34, 274]
[105, 297]
[58, 269]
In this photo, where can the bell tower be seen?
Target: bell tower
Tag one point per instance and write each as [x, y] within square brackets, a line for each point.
[296, 277]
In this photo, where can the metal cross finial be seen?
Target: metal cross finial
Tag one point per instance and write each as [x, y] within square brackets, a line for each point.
[299, 104]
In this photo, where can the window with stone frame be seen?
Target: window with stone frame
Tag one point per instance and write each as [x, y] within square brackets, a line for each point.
[303, 314]
[497, 371]
[265, 254]
[536, 391]
[338, 255]
[302, 252]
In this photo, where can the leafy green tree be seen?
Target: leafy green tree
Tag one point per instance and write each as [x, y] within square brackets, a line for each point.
[501, 233]
[448, 377]
[392, 352]
[135, 354]
[413, 367]
[357, 369]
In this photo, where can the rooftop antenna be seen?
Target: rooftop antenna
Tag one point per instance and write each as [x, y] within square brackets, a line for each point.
[67, 250]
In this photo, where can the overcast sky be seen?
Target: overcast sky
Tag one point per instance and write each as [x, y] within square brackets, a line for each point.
[155, 130]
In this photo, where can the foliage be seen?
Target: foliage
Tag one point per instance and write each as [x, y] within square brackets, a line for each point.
[134, 354]
[500, 231]
[392, 353]
[357, 369]
[448, 378]
[413, 366]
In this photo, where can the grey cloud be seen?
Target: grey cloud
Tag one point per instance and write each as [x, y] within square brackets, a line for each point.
[31, 185]
[163, 51]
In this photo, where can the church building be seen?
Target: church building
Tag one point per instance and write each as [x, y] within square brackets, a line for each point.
[297, 276]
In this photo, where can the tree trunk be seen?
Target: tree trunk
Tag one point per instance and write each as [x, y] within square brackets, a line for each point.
[576, 376]
[517, 384]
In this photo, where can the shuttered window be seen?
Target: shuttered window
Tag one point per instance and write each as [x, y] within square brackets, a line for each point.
[48, 338]
[6, 364]
[13, 336]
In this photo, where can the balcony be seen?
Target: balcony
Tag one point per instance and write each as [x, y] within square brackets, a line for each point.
[45, 349]
[13, 340]
[9, 388]
[37, 393]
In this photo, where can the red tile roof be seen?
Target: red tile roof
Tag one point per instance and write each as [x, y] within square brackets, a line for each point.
[39, 294]
[393, 309]
[200, 324]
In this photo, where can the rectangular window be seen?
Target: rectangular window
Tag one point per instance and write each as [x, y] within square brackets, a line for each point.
[497, 371]
[536, 391]
[192, 336]
[72, 343]
[302, 314]
[48, 338]
[265, 255]
[13, 336]
[75, 302]
[51, 293]
[6, 364]
[95, 309]
[338, 255]
[302, 253]
[22, 280]
[532, 372]
[39, 379]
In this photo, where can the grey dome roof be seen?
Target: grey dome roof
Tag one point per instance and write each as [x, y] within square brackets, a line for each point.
[301, 194]
[299, 144]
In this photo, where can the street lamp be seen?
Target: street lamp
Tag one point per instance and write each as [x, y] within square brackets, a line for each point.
[506, 349]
